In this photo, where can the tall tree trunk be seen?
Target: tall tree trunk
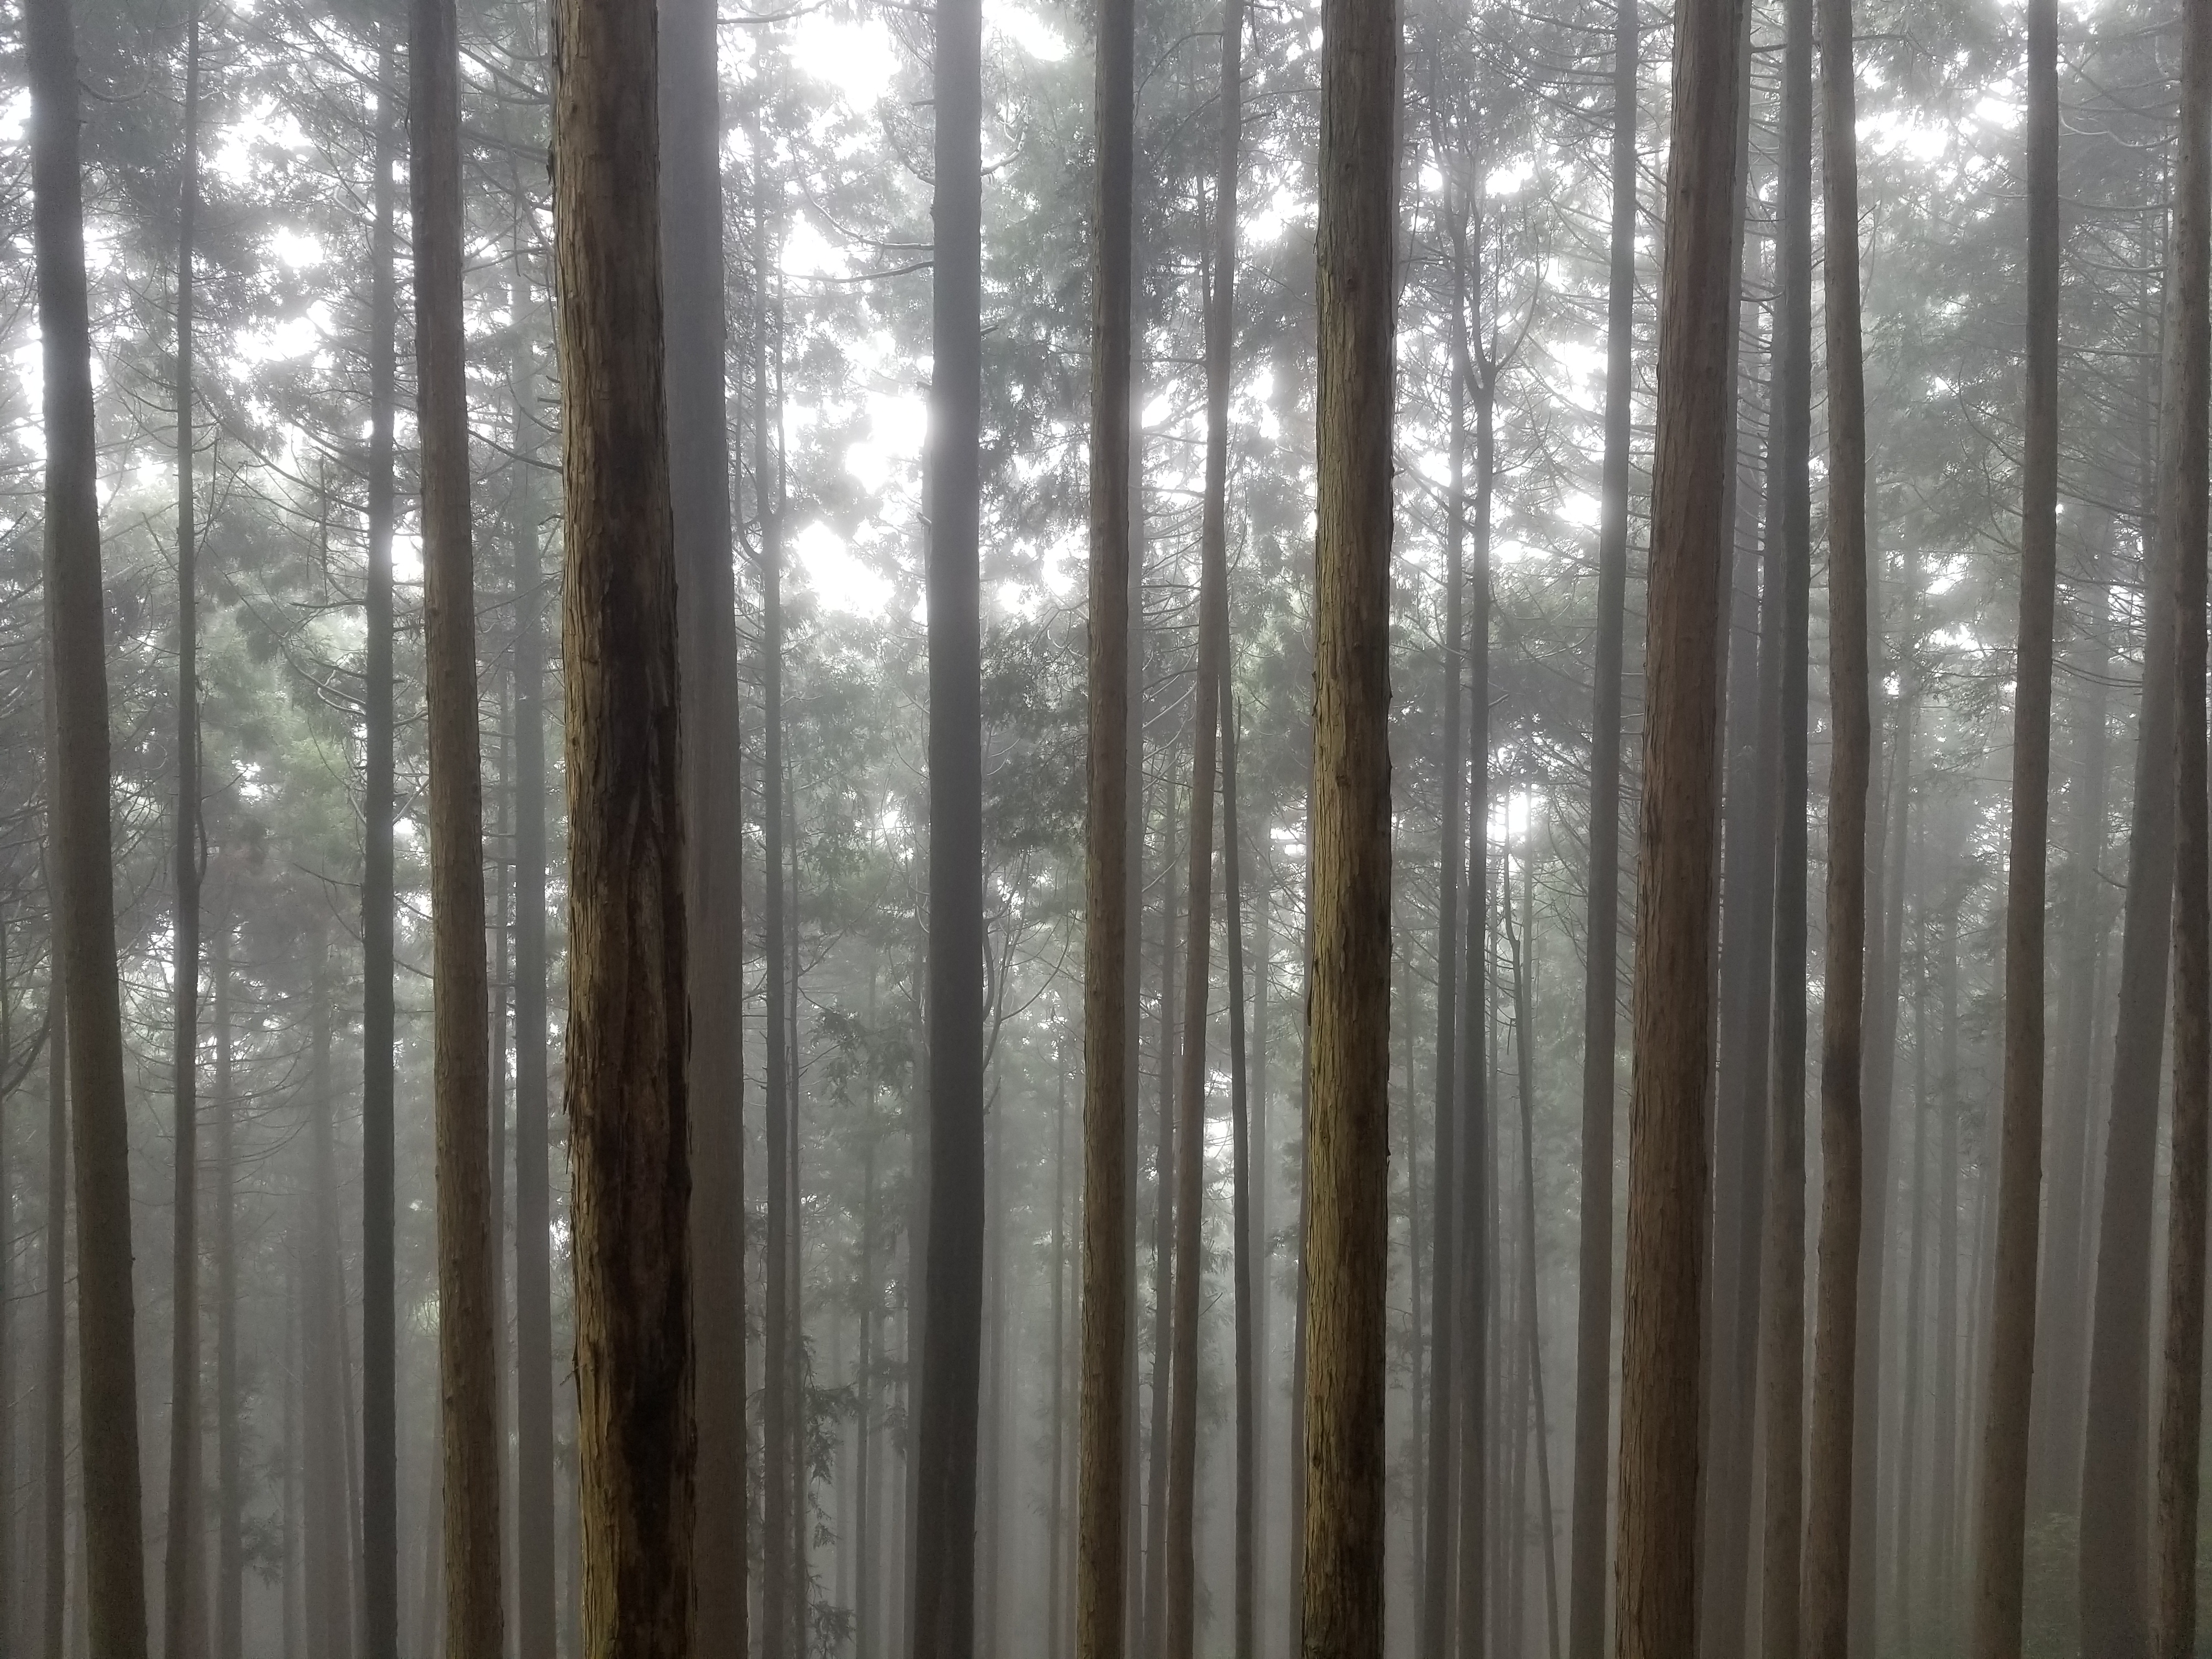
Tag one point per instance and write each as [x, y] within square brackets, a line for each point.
[1056, 1556]
[379, 1307]
[1113, 842]
[1905, 1533]
[944, 1614]
[867, 1596]
[2181, 525]
[1830, 1474]
[1782, 1342]
[328, 1579]
[1657, 1573]
[184, 1566]
[1586, 1571]
[53, 1427]
[798, 1520]
[230, 1451]
[1347, 1221]
[2003, 1487]
[1950, 1374]
[1524, 1038]
[79, 850]
[692, 292]
[1154, 1633]
[628, 1115]
[2115, 1507]
[1246, 1573]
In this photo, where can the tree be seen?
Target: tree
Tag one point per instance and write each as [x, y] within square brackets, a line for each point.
[1836, 1335]
[1246, 1571]
[1593, 1319]
[1656, 1563]
[2181, 524]
[629, 1113]
[2003, 1502]
[1347, 1147]
[714, 828]
[78, 850]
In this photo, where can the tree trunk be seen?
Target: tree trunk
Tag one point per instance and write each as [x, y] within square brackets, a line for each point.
[183, 1576]
[1905, 1535]
[327, 1582]
[2003, 1487]
[53, 1427]
[79, 850]
[1586, 1571]
[1113, 842]
[1838, 1307]
[2181, 525]
[379, 1307]
[1055, 1620]
[692, 292]
[1154, 1633]
[230, 1451]
[628, 1117]
[1347, 1221]
[1245, 1591]
[1524, 998]
[1669, 1150]
[944, 1614]
[1950, 1377]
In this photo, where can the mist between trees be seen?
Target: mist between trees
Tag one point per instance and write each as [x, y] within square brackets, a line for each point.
[1171, 829]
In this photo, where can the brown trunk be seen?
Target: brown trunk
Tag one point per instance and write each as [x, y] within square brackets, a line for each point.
[629, 1118]
[1657, 1575]
[2002, 1501]
[692, 292]
[1586, 1571]
[468, 1364]
[1829, 1476]
[78, 848]
[1347, 1154]
[1113, 844]
[2181, 525]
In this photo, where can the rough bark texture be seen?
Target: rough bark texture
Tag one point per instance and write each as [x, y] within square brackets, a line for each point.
[1348, 1016]
[944, 1609]
[1656, 1571]
[1836, 1335]
[379, 1311]
[2181, 526]
[2002, 1500]
[1109, 1081]
[77, 849]
[629, 1118]
[692, 290]
[1586, 1574]
[467, 1340]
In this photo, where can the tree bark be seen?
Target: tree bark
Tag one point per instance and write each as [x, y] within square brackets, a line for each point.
[79, 850]
[379, 1306]
[1586, 1571]
[1347, 1220]
[53, 1428]
[628, 1114]
[2181, 524]
[1657, 1573]
[2003, 1484]
[230, 1451]
[1153, 1635]
[184, 1566]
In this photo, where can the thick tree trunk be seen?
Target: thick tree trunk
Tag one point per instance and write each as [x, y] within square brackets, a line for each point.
[1586, 1571]
[943, 1614]
[692, 291]
[629, 1116]
[1781, 1339]
[2181, 525]
[1830, 1474]
[1113, 847]
[184, 1566]
[1347, 1220]
[1656, 1574]
[2002, 1504]
[78, 848]
[468, 1365]
[379, 1307]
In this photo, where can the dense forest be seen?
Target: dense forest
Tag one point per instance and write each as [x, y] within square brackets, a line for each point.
[1104, 829]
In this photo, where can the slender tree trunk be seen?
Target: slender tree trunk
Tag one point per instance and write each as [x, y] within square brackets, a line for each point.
[79, 848]
[629, 1115]
[1246, 1571]
[183, 1576]
[230, 1451]
[327, 1582]
[1154, 1633]
[943, 1614]
[1905, 1533]
[1055, 1621]
[1347, 1222]
[1113, 841]
[1586, 1572]
[1950, 1375]
[1657, 1575]
[799, 1519]
[2003, 1488]
[379, 1307]
[2181, 524]
[53, 1427]
[1524, 1038]
[867, 1595]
